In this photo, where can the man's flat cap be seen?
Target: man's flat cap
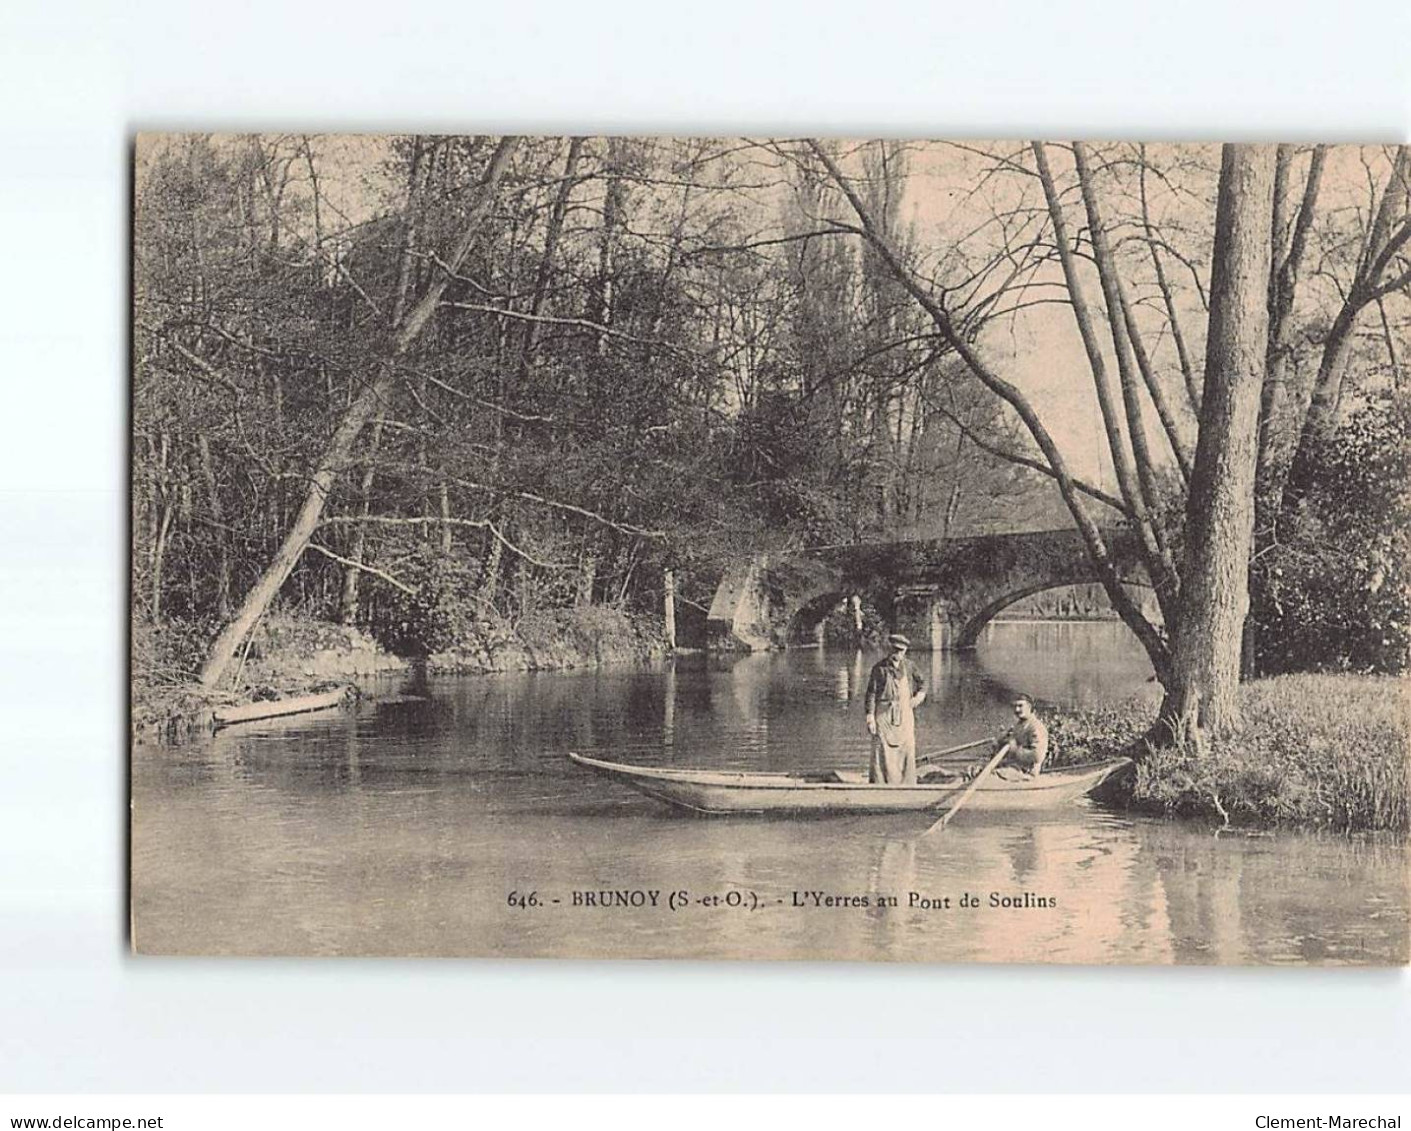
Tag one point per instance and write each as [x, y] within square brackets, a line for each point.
[897, 640]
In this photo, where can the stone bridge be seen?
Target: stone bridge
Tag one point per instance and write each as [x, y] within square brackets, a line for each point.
[940, 593]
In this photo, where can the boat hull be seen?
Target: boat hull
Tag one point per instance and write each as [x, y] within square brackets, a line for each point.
[278, 708]
[722, 791]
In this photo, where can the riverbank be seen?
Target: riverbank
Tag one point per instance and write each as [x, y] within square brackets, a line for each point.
[287, 657]
[290, 656]
[555, 640]
[1314, 751]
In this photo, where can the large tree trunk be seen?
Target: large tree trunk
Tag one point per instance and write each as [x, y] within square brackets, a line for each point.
[336, 456]
[1214, 598]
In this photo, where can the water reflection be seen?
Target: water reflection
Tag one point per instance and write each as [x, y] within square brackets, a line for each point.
[1071, 662]
[403, 827]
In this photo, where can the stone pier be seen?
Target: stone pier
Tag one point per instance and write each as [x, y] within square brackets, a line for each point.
[741, 616]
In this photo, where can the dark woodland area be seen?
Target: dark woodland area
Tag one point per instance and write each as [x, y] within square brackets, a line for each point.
[455, 388]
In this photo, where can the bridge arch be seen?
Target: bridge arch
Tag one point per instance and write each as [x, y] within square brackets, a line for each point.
[969, 634]
[808, 617]
[941, 592]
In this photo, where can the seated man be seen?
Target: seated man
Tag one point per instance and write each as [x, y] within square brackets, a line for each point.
[1026, 742]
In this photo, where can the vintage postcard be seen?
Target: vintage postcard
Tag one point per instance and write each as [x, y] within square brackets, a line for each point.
[799, 548]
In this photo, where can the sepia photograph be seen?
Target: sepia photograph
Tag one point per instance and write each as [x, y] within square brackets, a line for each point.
[886, 550]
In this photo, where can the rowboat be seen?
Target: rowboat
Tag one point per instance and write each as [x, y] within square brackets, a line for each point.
[729, 791]
[277, 708]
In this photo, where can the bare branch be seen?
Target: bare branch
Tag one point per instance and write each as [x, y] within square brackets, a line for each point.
[341, 560]
[713, 249]
[529, 497]
[1025, 461]
[446, 520]
[523, 417]
[1187, 369]
[1131, 615]
[578, 323]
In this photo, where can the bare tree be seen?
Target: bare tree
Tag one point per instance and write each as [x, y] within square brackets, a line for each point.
[1150, 638]
[1384, 266]
[416, 174]
[1125, 430]
[1206, 605]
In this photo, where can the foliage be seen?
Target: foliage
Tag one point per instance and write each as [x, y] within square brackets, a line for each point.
[596, 399]
[591, 631]
[441, 611]
[552, 638]
[169, 654]
[840, 630]
[1095, 733]
[1335, 592]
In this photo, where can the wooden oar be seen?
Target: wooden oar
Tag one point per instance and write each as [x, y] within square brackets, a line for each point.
[935, 754]
[969, 789]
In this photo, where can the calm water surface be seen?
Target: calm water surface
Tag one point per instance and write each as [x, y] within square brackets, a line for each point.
[406, 827]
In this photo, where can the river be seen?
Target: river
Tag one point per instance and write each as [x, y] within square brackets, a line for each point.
[441, 818]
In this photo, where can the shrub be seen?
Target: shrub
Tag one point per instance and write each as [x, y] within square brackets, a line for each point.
[1334, 593]
[589, 631]
[1095, 733]
[439, 614]
[170, 654]
[839, 630]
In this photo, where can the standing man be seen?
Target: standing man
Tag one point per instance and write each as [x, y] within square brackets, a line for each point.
[893, 692]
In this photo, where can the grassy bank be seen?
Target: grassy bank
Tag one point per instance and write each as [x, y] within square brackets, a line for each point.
[1318, 751]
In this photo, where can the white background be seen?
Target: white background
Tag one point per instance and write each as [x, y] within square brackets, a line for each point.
[76, 79]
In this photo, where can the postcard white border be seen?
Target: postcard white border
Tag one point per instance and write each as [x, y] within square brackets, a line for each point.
[78, 78]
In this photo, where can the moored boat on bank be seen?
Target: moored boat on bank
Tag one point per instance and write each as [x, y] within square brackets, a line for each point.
[277, 708]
